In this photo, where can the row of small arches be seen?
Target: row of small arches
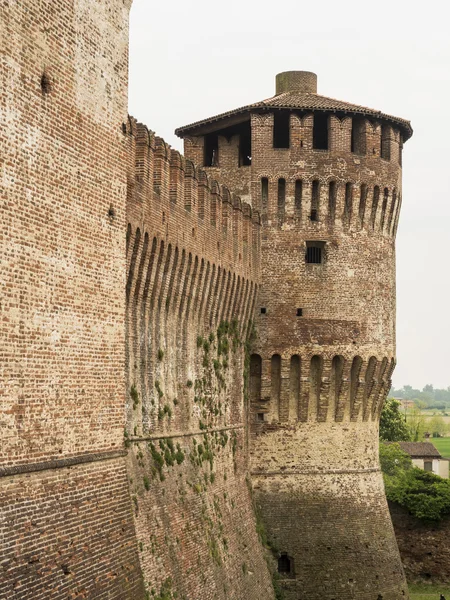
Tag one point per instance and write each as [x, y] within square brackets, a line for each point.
[163, 278]
[370, 201]
[319, 389]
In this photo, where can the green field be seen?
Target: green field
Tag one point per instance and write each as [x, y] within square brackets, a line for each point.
[442, 444]
[428, 592]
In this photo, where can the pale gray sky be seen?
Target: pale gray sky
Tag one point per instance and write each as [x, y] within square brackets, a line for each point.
[192, 60]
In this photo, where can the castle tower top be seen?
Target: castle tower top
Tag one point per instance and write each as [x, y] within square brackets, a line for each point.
[304, 82]
[295, 91]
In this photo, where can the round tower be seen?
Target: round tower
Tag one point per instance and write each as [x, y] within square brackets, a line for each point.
[326, 178]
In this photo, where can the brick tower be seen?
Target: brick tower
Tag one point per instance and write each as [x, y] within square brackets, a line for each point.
[326, 177]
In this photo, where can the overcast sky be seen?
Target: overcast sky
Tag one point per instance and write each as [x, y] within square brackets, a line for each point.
[192, 60]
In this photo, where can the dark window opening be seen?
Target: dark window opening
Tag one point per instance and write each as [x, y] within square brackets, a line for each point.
[362, 203]
[348, 203]
[320, 132]
[332, 200]
[260, 417]
[298, 198]
[264, 197]
[284, 564]
[314, 252]
[211, 150]
[373, 212]
[281, 129]
[358, 143]
[46, 86]
[314, 216]
[245, 146]
[385, 151]
[299, 312]
[281, 200]
[263, 310]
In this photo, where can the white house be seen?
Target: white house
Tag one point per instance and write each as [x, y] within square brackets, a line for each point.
[425, 456]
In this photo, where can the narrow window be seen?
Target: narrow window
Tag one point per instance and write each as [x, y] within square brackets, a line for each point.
[260, 417]
[264, 195]
[332, 200]
[348, 203]
[281, 200]
[314, 252]
[358, 143]
[314, 216]
[320, 131]
[385, 142]
[281, 129]
[298, 198]
[299, 312]
[362, 203]
[373, 212]
[211, 150]
[263, 310]
[284, 564]
[245, 146]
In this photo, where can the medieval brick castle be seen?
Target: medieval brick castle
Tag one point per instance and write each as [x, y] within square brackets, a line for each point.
[195, 349]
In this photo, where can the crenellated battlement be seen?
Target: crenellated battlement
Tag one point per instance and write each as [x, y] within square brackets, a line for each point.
[327, 204]
[179, 198]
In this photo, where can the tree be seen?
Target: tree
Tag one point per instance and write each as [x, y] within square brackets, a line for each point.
[424, 495]
[392, 423]
[437, 426]
[393, 461]
[416, 425]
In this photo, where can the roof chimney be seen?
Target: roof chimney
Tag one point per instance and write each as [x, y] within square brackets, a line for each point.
[304, 82]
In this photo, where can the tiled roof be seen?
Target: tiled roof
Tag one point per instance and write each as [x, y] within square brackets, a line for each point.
[420, 449]
[301, 101]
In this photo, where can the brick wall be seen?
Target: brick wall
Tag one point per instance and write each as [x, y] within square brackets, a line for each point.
[63, 100]
[423, 546]
[192, 281]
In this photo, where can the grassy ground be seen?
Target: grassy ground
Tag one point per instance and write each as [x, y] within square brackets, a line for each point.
[442, 444]
[428, 592]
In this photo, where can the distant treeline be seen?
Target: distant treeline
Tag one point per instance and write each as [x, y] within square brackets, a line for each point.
[429, 397]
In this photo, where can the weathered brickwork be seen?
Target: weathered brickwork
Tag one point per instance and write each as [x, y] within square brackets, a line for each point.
[65, 532]
[68, 533]
[326, 178]
[193, 263]
[182, 344]
[423, 546]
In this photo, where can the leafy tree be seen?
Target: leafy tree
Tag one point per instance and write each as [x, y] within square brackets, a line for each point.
[423, 494]
[416, 425]
[393, 461]
[392, 423]
[437, 426]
